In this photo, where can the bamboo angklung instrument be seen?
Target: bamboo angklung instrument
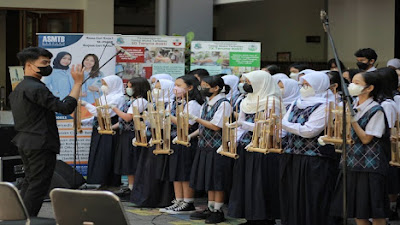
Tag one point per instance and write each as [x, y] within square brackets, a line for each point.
[103, 116]
[395, 139]
[182, 122]
[162, 128]
[267, 131]
[229, 137]
[140, 126]
[334, 125]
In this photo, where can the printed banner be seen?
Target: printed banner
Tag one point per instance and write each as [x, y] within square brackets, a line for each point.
[151, 55]
[225, 56]
[16, 75]
[92, 51]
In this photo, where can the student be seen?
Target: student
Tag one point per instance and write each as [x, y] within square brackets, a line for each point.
[336, 85]
[211, 171]
[232, 81]
[366, 58]
[163, 91]
[93, 84]
[279, 76]
[295, 69]
[306, 168]
[199, 73]
[242, 94]
[349, 74]
[180, 162]
[271, 69]
[127, 155]
[153, 79]
[60, 81]
[254, 194]
[333, 67]
[102, 147]
[367, 158]
[290, 91]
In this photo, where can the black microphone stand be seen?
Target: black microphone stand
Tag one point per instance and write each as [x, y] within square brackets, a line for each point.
[76, 119]
[346, 103]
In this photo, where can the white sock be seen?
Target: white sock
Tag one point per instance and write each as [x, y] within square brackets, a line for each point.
[130, 186]
[189, 200]
[179, 199]
[393, 206]
[211, 205]
[218, 206]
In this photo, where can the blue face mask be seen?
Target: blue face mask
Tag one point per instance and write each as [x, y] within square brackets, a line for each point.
[240, 87]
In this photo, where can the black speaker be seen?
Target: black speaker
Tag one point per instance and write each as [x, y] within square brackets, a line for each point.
[63, 177]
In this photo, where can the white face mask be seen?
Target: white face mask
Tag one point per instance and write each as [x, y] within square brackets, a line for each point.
[307, 92]
[355, 89]
[294, 75]
[156, 93]
[282, 91]
[129, 91]
[240, 87]
[104, 89]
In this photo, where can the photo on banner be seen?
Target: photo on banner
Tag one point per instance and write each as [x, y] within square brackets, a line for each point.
[90, 50]
[151, 55]
[225, 56]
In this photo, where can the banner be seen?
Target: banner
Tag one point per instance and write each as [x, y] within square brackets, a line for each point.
[16, 75]
[90, 50]
[151, 55]
[225, 56]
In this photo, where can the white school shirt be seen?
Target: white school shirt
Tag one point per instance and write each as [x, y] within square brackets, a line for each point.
[373, 68]
[390, 109]
[396, 99]
[194, 109]
[119, 102]
[140, 103]
[376, 125]
[217, 120]
[313, 127]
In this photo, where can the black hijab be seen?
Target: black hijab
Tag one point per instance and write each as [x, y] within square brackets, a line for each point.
[56, 62]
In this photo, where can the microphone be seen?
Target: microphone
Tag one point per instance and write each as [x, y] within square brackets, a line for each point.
[119, 49]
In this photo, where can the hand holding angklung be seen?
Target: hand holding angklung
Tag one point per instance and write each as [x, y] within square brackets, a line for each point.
[77, 73]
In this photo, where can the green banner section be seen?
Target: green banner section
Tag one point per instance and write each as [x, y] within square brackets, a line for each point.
[248, 59]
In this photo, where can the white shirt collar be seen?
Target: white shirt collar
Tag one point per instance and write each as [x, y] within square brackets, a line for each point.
[215, 99]
[371, 69]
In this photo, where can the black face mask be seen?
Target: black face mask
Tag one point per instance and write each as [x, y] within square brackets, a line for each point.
[362, 66]
[248, 88]
[45, 70]
[206, 92]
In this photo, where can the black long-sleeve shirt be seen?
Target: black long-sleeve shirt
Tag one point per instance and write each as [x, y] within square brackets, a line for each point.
[33, 107]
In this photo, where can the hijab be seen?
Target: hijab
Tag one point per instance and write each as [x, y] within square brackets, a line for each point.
[162, 76]
[263, 88]
[291, 91]
[167, 88]
[232, 81]
[320, 83]
[115, 90]
[279, 76]
[57, 61]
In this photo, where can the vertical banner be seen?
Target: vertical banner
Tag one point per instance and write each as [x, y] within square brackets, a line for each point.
[90, 50]
[151, 55]
[225, 56]
[16, 75]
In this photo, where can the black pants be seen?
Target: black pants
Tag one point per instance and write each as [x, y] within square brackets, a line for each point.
[39, 168]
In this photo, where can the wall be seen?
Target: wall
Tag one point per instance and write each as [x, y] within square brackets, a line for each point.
[359, 24]
[2, 48]
[281, 26]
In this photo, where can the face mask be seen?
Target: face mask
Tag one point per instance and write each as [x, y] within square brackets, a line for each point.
[248, 88]
[129, 91]
[104, 89]
[206, 92]
[282, 91]
[293, 75]
[179, 92]
[307, 92]
[153, 85]
[156, 92]
[362, 66]
[355, 89]
[240, 88]
[45, 70]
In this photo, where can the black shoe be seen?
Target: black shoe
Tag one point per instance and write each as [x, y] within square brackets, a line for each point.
[216, 217]
[393, 216]
[183, 208]
[200, 215]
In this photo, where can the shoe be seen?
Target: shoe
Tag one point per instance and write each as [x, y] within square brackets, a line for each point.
[216, 217]
[175, 204]
[393, 215]
[183, 208]
[201, 215]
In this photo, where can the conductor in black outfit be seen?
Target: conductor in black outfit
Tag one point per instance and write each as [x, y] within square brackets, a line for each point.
[34, 107]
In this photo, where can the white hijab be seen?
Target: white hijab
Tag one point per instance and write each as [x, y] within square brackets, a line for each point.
[290, 91]
[263, 87]
[162, 76]
[320, 83]
[115, 90]
[279, 76]
[167, 87]
[232, 81]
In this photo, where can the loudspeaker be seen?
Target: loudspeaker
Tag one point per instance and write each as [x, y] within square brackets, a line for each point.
[63, 177]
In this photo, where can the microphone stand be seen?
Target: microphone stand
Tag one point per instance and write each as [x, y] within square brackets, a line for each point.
[346, 103]
[76, 119]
